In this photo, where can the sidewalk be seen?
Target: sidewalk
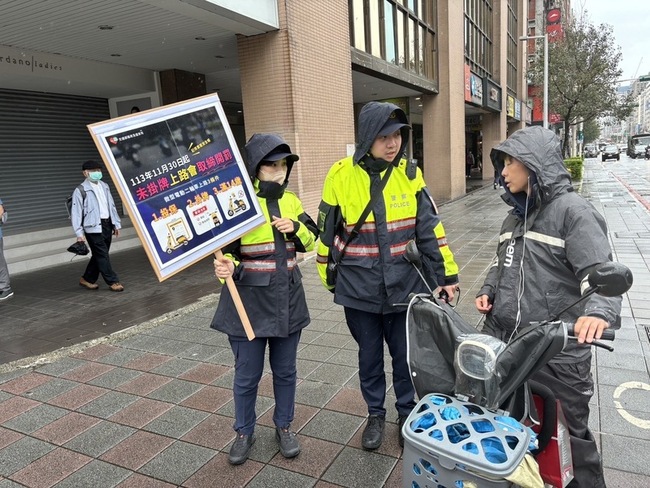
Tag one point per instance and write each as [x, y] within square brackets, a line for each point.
[151, 406]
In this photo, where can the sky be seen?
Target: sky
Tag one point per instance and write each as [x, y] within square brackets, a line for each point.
[630, 20]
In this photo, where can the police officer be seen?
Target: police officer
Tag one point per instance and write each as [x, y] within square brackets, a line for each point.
[374, 278]
[263, 264]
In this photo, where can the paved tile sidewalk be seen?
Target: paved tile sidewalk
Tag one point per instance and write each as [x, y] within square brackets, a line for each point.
[152, 406]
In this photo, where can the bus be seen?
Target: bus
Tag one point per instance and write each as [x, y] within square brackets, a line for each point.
[636, 145]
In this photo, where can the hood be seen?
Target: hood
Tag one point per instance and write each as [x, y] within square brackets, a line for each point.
[261, 145]
[539, 150]
[372, 118]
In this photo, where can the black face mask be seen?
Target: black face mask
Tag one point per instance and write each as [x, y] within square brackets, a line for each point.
[272, 190]
[373, 165]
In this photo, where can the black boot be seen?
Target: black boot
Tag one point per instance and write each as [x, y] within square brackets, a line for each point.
[373, 434]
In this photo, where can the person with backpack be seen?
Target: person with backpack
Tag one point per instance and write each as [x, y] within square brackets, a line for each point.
[373, 203]
[95, 220]
[5, 286]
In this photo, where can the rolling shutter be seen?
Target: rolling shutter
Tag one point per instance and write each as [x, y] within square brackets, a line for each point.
[43, 143]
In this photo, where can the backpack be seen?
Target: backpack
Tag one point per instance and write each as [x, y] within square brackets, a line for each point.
[68, 201]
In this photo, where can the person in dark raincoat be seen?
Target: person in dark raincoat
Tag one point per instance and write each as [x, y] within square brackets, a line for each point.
[549, 242]
[263, 265]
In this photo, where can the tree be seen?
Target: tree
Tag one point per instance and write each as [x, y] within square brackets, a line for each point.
[583, 70]
[591, 131]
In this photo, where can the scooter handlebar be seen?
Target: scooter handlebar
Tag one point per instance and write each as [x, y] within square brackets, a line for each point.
[608, 334]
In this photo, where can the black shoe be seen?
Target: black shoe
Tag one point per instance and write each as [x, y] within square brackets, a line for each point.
[6, 294]
[373, 434]
[289, 446]
[241, 448]
[400, 423]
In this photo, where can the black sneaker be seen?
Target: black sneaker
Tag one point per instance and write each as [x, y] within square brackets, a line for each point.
[6, 294]
[373, 434]
[400, 423]
[289, 446]
[241, 448]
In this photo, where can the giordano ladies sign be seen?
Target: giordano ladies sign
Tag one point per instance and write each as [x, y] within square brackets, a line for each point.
[28, 62]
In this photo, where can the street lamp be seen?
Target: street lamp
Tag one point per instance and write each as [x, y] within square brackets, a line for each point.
[545, 37]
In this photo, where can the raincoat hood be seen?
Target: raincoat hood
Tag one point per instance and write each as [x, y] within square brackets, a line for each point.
[271, 147]
[372, 118]
[539, 150]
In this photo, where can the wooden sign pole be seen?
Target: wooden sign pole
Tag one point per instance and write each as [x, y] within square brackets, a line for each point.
[234, 293]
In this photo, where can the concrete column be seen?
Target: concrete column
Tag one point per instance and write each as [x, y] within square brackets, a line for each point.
[177, 85]
[443, 115]
[495, 124]
[297, 82]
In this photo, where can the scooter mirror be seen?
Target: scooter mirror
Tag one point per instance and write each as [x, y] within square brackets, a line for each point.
[611, 279]
[412, 254]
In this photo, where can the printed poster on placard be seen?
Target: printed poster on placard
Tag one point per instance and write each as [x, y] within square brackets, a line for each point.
[181, 178]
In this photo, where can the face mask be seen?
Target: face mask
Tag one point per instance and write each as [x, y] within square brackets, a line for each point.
[95, 175]
[273, 175]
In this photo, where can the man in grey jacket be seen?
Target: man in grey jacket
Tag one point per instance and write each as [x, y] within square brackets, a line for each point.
[95, 219]
[549, 242]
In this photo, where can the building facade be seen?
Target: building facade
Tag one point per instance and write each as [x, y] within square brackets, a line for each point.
[299, 68]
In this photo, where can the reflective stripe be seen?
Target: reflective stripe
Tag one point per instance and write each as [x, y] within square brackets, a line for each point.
[320, 259]
[259, 265]
[397, 249]
[267, 266]
[506, 236]
[401, 224]
[584, 285]
[264, 248]
[442, 241]
[366, 227]
[535, 236]
[553, 241]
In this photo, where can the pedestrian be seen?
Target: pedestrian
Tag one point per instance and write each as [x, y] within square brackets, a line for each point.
[95, 220]
[5, 284]
[374, 279]
[550, 241]
[469, 163]
[263, 265]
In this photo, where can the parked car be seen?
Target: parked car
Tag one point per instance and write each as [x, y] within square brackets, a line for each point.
[611, 152]
[639, 151]
[590, 151]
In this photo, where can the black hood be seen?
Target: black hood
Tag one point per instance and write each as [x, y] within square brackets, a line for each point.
[261, 145]
[372, 118]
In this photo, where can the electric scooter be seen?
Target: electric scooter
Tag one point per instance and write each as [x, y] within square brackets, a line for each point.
[478, 380]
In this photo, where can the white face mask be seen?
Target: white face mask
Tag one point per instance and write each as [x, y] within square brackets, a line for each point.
[272, 173]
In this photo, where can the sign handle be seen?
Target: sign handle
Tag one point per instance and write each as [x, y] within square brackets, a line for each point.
[234, 293]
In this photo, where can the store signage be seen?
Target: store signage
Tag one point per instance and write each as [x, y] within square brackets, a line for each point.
[510, 106]
[28, 63]
[182, 180]
[492, 98]
[517, 109]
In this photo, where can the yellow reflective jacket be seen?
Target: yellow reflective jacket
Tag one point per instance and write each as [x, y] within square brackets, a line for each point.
[267, 276]
[373, 275]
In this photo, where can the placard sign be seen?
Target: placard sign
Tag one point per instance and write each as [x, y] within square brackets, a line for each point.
[181, 177]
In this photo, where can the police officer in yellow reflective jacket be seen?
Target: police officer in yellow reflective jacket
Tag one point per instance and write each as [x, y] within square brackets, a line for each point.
[263, 265]
[374, 279]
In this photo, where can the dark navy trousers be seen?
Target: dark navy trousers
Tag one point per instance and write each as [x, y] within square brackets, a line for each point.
[249, 365]
[370, 330]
